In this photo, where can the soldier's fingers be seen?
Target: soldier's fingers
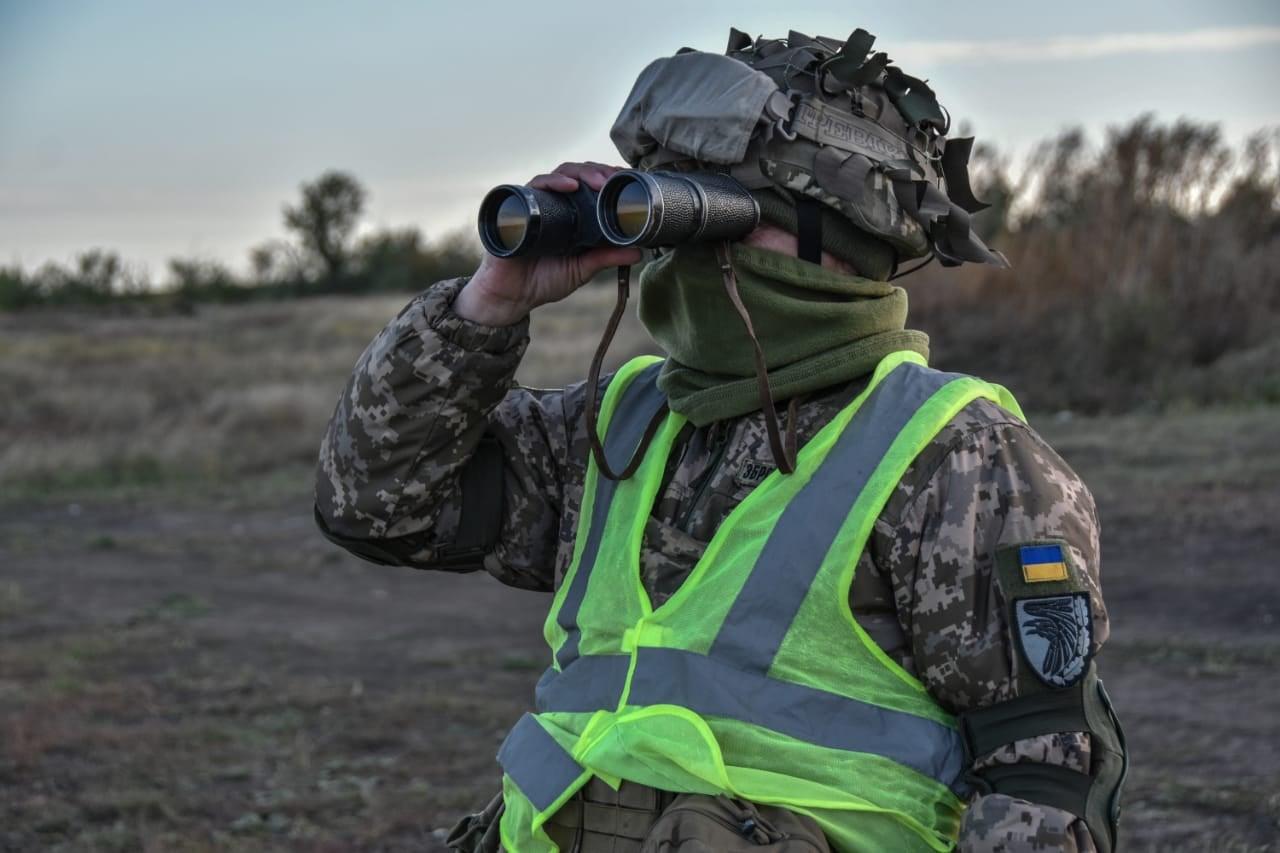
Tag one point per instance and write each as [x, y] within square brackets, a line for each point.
[571, 169]
[592, 174]
[554, 182]
[595, 174]
[595, 178]
[604, 167]
[590, 263]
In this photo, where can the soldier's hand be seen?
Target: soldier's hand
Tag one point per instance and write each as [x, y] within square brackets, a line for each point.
[504, 290]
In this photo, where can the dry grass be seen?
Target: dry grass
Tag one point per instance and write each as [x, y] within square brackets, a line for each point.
[106, 401]
[100, 401]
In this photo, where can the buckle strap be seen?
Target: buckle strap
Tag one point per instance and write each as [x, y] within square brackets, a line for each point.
[987, 729]
[1044, 784]
[1093, 797]
[809, 230]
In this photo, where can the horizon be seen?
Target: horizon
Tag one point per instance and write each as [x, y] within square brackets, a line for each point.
[192, 154]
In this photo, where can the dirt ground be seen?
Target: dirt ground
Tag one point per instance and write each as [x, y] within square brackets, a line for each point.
[186, 665]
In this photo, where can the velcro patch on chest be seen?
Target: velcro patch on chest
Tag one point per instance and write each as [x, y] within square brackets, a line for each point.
[752, 474]
[1055, 634]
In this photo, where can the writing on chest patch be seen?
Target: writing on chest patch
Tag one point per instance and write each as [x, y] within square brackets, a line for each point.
[752, 473]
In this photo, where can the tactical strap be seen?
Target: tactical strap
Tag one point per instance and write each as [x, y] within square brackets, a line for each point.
[947, 223]
[483, 491]
[600, 819]
[809, 230]
[825, 124]
[366, 549]
[784, 454]
[850, 65]
[897, 273]
[955, 169]
[1044, 784]
[479, 526]
[987, 729]
[915, 100]
[738, 40]
[1093, 797]
[593, 392]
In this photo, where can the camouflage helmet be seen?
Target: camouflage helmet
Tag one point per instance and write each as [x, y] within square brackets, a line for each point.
[822, 123]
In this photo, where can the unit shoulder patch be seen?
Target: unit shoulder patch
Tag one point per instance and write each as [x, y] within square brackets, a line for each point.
[1055, 635]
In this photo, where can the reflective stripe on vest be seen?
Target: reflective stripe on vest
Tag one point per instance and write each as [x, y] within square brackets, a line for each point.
[590, 683]
[711, 687]
[640, 402]
[780, 579]
[537, 763]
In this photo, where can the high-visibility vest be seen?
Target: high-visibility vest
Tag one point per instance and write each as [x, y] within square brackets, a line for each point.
[753, 679]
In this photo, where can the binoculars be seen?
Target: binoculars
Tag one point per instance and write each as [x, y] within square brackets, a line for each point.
[633, 208]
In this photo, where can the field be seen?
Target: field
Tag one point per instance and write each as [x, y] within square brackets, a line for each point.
[185, 664]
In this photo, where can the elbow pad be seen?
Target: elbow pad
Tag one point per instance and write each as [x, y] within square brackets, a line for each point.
[1093, 797]
[482, 490]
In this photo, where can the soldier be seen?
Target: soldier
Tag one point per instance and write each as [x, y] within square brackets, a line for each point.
[881, 641]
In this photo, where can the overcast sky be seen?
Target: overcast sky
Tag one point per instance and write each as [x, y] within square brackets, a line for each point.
[180, 128]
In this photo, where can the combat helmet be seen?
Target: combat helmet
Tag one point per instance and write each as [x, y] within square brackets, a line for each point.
[814, 127]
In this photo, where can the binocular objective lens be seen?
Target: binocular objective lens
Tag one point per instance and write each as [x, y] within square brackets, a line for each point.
[512, 221]
[631, 210]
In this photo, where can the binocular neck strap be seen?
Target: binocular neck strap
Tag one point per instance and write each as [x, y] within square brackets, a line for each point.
[783, 449]
[593, 392]
[784, 453]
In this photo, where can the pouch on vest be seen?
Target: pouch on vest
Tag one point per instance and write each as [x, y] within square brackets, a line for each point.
[695, 823]
[478, 833]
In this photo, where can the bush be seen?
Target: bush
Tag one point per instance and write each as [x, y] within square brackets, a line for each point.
[204, 281]
[1135, 265]
[16, 290]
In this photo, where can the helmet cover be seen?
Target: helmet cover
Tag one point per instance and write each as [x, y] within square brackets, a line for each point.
[816, 118]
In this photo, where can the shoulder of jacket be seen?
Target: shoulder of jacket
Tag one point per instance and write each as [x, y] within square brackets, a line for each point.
[981, 434]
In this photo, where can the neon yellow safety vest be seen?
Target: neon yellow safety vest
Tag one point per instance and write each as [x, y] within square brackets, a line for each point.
[753, 679]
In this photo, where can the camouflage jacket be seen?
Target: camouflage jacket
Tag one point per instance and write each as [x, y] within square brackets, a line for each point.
[432, 385]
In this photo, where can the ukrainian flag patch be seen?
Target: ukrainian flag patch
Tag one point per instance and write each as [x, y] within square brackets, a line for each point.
[1043, 563]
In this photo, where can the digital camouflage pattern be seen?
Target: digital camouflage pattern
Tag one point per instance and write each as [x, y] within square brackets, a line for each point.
[431, 384]
[997, 824]
[868, 202]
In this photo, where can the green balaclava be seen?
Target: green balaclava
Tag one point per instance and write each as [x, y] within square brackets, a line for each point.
[817, 327]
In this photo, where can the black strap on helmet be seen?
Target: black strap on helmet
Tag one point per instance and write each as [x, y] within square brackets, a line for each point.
[809, 229]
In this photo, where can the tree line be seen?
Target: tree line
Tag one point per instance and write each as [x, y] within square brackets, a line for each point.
[1163, 235]
[1146, 271]
[322, 256]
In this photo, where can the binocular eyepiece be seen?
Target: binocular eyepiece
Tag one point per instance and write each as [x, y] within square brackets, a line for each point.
[633, 208]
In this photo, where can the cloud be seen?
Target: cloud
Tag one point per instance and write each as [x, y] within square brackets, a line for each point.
[1085, 47]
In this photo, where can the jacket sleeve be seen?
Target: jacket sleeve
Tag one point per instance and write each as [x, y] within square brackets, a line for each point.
[991, 484]
[434, 458]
